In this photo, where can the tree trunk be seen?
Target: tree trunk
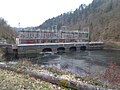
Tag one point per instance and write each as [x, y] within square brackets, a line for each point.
[54, 80]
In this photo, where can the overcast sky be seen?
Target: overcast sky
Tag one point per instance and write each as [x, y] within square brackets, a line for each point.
[35, 12]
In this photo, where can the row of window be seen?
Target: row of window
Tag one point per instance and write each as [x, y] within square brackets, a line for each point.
[33, 35]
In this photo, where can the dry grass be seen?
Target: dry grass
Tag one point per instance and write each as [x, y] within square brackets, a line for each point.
[15, 81]
[12, 81]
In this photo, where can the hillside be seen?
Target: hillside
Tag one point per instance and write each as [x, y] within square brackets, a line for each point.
[102, 17]
[6, 32]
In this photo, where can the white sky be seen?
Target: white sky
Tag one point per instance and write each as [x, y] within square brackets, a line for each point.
[35, 12]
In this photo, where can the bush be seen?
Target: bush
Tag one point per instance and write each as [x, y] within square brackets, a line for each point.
[109, 78]
[112, 75]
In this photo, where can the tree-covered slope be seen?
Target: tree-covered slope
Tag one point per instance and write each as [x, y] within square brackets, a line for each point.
[102, 17]
[6, 32]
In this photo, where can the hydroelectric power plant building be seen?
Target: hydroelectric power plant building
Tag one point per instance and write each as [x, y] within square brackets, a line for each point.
[27, 36]
[34, 41]
[31, 42]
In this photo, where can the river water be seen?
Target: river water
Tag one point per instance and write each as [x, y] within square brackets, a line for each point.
[81, 62]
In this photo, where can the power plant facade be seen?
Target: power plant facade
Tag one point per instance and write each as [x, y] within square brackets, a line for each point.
[27, 36]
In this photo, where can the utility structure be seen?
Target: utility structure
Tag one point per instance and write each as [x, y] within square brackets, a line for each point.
[27, 36]
[32, 42]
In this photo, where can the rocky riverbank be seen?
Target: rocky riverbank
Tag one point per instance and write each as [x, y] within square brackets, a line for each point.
[18, 80]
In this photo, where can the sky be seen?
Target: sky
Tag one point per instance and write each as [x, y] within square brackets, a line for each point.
[35, 12]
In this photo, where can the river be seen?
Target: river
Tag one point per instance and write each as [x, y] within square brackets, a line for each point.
[81, 62]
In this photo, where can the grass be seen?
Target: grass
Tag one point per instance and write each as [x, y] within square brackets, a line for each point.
[12, 81]
[15, 81]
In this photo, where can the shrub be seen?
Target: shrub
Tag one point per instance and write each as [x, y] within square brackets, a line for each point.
[112, 75]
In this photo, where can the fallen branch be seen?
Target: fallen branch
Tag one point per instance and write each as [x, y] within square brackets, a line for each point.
[52, 79]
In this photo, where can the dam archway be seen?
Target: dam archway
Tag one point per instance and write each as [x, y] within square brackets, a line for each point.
[60, 50]
[47, 50]
[73, 49]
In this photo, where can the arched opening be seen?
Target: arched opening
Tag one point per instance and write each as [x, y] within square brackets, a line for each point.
[73, 49]
[60, 50]
[83, 48]
[47, 50]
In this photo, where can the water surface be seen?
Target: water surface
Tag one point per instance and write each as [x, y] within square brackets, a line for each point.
[81, 62]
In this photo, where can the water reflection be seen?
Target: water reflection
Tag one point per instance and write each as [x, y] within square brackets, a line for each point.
[80, 62]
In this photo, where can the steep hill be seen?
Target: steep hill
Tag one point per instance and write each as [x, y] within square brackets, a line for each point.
[6, 32]
[102, 17]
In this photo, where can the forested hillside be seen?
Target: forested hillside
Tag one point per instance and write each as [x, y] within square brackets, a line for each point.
[102, 17]
[6, 32]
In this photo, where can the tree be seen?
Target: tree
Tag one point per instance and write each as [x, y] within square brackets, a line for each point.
[6, 31]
